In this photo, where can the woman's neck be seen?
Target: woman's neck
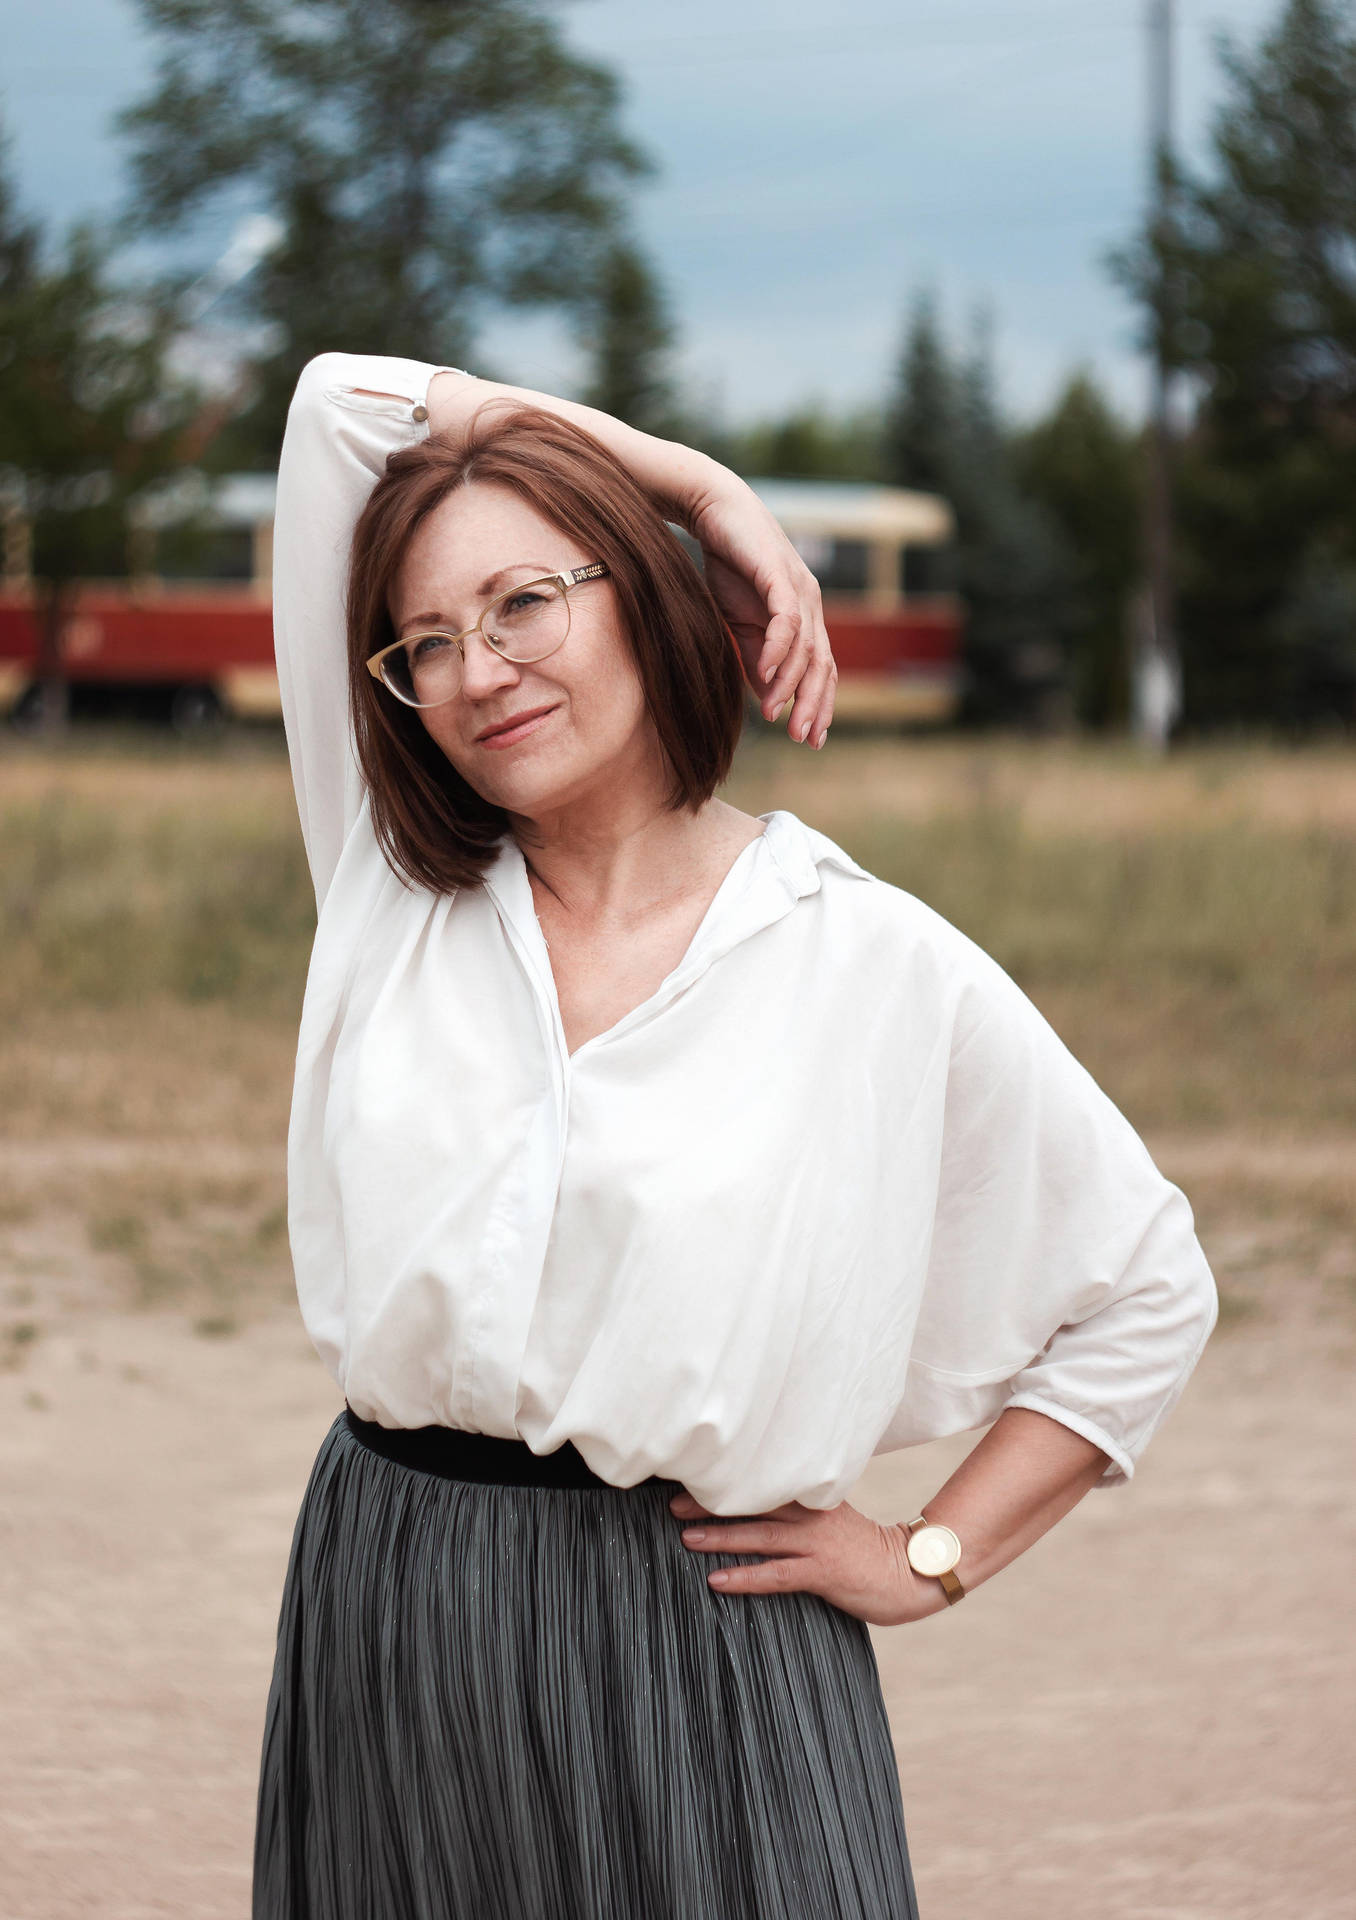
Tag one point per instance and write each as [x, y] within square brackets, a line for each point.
[616, 862]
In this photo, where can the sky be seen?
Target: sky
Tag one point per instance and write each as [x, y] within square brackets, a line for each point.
[817, 166]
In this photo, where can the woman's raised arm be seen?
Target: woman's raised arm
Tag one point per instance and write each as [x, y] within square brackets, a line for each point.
[339, 434]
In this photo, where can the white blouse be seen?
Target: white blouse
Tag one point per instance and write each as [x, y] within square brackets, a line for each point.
[836, 1187]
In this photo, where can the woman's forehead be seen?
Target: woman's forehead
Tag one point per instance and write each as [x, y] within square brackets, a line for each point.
[468, 540]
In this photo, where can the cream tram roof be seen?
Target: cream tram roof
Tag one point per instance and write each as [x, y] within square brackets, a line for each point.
[846, 510]
[828, 509]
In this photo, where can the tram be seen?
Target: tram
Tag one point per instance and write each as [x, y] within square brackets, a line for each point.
[197, 648]
[883, 557]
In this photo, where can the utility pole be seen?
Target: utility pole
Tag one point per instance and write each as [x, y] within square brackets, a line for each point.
[1156, 664]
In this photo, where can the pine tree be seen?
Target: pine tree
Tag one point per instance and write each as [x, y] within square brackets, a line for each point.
[920, 420]
[629, 336]
[1256, 272]
[1081, 463]
[945, 433]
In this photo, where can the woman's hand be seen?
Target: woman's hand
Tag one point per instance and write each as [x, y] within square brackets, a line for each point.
[771, 603]
[836, 1552]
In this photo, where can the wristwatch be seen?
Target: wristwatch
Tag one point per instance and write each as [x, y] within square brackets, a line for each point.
[934, 1550]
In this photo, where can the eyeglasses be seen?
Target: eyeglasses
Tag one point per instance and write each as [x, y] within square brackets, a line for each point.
[523, 624]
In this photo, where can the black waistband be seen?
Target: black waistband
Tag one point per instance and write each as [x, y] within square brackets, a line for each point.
[452, 1454]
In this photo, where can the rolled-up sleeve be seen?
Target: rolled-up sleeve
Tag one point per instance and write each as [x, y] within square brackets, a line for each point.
[1065, 1270]
[335, 448]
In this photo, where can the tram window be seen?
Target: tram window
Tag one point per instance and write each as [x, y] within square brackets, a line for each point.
[927, 569]
[843, 570]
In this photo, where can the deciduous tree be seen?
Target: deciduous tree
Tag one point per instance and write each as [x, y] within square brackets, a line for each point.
[427, 161]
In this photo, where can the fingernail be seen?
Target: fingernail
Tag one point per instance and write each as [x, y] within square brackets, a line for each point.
[692, 1535]
[823, 736]
[769, 672]
[718, 1579]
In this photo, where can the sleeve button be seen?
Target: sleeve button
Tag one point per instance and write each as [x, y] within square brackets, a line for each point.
[419, 413]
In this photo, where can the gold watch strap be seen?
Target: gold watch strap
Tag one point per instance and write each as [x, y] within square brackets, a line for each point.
[951, 1586]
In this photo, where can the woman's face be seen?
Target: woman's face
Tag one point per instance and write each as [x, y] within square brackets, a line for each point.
[588, 721]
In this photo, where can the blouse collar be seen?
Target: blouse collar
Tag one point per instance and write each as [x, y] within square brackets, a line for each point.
[767, 880]
[787, 852]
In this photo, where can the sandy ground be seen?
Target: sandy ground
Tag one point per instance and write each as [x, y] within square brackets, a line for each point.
[1146, 1717]
[1141, 1719]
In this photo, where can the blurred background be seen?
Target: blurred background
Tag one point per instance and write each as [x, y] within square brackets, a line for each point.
[1035, 324]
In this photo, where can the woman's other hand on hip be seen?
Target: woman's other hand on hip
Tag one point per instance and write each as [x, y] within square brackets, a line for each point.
[837, 1552]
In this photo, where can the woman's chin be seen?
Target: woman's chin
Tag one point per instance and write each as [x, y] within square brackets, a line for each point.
[537, 776]
[527, 791]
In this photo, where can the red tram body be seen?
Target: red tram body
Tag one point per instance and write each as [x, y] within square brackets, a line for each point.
[206, 646]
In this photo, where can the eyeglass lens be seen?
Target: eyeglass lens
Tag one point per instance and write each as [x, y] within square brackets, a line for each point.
[524, 624]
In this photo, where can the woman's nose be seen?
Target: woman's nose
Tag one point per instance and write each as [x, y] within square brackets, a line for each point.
[483, 671]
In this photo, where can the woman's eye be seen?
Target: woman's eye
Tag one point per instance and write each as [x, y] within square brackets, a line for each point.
[429, 644]
[523, 602]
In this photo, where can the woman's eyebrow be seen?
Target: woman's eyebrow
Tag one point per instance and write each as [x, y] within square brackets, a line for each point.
[485, 588]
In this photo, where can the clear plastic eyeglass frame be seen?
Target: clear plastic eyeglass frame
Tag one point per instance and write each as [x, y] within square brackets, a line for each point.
[377, 663]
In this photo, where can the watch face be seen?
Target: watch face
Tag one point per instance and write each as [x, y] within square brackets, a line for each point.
[933, 1549]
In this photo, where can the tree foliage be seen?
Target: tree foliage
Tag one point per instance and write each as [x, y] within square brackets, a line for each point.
[629, 337]
[426, 160]
[1048, 517]
[1082, 464]
[945, 432]
[91, 411]
[810, 443]
[1254, 275]
[920, 418]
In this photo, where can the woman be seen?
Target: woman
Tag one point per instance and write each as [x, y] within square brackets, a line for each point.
[651, 1167]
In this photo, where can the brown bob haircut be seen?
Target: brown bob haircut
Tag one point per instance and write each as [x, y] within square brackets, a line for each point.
[434, 828]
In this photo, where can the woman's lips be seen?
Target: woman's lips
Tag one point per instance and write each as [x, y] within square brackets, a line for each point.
[510, 736]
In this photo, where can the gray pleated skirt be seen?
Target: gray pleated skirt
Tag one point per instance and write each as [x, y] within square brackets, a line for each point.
[515, 1697]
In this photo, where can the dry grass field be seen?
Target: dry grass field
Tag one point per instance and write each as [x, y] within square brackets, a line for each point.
[1190, 930]
[1145, 1721]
